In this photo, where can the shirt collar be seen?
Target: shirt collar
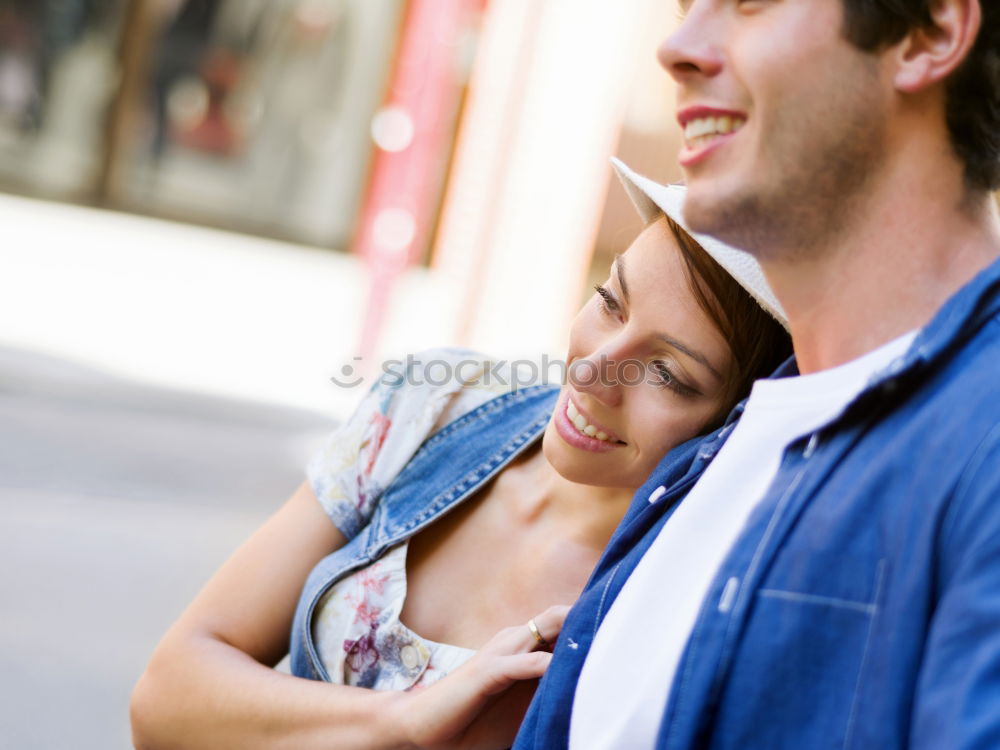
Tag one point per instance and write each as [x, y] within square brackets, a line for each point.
[954, 323]
[959, 318]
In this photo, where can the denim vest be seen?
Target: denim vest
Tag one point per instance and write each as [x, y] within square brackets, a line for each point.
[449, 467]
[860, 607]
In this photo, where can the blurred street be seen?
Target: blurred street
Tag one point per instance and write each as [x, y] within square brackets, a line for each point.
[161, 388]
[116, 502]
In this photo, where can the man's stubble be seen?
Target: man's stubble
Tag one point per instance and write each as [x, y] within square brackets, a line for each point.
[812, 176]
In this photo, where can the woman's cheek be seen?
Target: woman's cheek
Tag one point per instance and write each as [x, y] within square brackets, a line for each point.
[677, 428]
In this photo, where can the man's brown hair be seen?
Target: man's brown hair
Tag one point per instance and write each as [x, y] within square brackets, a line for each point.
[972, 92]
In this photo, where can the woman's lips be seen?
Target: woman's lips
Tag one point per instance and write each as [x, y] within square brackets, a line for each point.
[568, 432]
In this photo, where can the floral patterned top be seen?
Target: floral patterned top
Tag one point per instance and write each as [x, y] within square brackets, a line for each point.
[356, 625]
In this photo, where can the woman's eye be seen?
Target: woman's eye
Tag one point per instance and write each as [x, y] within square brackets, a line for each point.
[667, 379]
[664, 374]
[608, 303]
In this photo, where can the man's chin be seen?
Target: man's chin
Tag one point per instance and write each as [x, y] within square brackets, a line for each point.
[703, 207]
[726, 215]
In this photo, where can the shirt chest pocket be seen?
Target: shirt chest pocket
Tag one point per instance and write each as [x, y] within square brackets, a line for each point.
[797, 667]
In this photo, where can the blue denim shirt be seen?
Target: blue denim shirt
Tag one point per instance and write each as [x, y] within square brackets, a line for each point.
[860, 607]
[449, 467]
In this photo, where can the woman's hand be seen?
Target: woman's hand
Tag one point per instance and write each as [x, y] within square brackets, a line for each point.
[481, 704]
[210, 684]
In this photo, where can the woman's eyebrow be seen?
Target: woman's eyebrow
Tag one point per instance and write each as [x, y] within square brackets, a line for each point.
[692, 353]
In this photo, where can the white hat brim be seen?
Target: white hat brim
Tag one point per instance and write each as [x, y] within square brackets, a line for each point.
[652, 199]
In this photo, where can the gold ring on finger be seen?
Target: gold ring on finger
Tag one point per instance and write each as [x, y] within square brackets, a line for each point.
[538, 636]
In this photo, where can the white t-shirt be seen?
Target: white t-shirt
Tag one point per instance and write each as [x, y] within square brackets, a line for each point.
[622, 690]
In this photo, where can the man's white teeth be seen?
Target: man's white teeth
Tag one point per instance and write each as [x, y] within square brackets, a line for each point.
[581, 424]
[705, 128]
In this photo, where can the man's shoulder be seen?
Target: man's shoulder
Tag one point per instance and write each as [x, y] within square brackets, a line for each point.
[961, 389]
[923, 436]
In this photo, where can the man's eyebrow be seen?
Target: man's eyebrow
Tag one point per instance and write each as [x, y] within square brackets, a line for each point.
[692, 353]
[620, 270]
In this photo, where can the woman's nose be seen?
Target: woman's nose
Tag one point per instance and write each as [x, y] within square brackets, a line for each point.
[598, 376]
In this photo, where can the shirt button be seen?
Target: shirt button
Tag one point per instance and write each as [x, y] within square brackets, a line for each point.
[409, 656]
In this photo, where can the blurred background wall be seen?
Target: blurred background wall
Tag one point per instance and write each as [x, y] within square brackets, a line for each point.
[211, 207]
[412, 167]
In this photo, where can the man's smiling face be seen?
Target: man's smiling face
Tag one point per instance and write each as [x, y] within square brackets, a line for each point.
[784, 120]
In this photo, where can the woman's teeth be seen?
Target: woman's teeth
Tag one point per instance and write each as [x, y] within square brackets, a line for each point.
[581, 424]
[703, 129]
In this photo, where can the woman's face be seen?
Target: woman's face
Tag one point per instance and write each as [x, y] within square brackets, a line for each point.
[646, 369]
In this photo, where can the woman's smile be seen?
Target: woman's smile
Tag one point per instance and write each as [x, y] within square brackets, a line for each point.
[577, 430]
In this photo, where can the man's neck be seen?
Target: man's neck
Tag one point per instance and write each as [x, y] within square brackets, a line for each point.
[886, 273]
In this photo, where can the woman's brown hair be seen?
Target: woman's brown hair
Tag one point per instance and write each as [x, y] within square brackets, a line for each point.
[757, 341]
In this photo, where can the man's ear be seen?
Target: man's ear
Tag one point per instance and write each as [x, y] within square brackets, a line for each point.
[928, 55]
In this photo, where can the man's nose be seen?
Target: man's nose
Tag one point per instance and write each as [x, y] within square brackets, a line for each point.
[692, 49]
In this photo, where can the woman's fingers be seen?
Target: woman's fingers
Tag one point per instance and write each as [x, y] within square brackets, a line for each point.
[520, 638]
[504, 671]
[548, 624]
[440, 714]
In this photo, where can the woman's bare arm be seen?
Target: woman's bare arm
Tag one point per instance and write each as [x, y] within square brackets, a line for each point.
[210, 683]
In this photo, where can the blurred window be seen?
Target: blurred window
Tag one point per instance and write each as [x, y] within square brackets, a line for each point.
[254, 115]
